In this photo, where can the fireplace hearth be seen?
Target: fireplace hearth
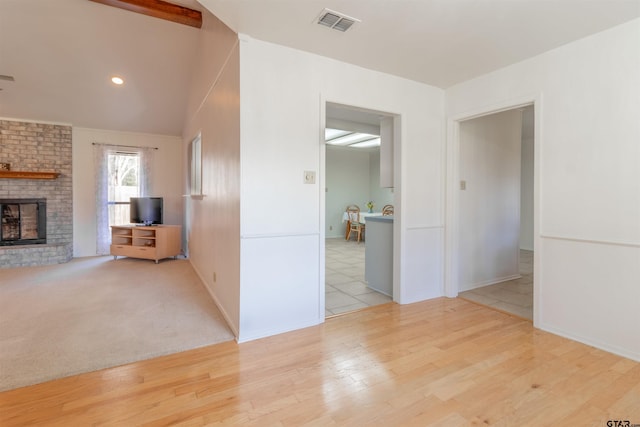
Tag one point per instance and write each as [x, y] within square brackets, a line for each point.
[23, 222]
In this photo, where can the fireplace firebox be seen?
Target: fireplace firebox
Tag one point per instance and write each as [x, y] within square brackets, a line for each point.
[23, 222]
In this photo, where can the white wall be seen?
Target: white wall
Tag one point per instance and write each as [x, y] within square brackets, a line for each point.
[587, 231]
[166, 180]
[352, 177]
[213, 221]
[526, 179]
[490, 204]
[282, 107]
[347, 182]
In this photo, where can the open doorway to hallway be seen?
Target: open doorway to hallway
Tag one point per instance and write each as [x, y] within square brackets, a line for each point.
[497, 210]
[357, 173]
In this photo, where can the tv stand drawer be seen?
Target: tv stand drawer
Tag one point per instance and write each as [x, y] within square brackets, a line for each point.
[134, 251]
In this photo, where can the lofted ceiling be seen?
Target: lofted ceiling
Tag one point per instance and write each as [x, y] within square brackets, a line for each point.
[63, 52]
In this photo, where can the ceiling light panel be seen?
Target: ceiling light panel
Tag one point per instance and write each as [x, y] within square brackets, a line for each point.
[334, 133]
[375, 142]
[351, 138]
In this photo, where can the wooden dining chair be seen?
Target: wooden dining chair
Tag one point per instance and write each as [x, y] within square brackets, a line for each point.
[354, 225]
[387, 210]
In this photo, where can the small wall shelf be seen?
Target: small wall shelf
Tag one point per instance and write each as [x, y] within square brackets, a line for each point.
[28, 175]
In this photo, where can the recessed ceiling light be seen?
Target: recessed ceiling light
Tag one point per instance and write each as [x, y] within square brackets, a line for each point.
[117, 80]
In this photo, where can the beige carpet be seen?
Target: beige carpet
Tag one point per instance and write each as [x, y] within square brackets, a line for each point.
[98, 312]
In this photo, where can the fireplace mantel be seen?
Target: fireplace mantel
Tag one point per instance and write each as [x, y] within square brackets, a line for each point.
[28, 175]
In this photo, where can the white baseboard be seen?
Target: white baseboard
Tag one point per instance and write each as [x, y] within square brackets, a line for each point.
[489, 282]
[337, 236]
[226, 317]
[591, 342]
[269, 332]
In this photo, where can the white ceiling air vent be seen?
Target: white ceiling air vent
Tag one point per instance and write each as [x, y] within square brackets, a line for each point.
[336, 20]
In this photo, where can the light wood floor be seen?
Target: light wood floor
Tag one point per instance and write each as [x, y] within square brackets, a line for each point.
[444, 362]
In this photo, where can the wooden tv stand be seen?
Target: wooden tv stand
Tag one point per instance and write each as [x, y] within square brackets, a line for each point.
[154, 242]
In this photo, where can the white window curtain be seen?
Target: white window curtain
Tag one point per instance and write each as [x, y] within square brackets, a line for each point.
[101, 158]
[146, 170]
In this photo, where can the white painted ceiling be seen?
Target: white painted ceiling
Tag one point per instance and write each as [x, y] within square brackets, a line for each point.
[62, 52]
[438, 42]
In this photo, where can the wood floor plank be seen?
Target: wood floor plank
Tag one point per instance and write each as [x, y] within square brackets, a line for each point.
[440, 362]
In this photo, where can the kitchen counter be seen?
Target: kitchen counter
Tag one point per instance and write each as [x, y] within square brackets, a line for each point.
[378, 264]
[380, 218]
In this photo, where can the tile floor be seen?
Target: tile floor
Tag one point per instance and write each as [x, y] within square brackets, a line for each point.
[345, 287]
[346, 290]
[514, 296]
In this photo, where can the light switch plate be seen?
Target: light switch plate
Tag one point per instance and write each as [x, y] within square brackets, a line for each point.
[309, 177]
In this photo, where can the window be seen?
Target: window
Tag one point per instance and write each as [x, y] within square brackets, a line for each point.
[124, 182]
[121, 173]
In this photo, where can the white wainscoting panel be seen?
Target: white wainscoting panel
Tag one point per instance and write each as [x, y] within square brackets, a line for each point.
[278, 284]
[422, 274]
[594, 305]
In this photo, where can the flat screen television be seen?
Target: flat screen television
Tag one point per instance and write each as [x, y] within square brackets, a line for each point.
[146, 210]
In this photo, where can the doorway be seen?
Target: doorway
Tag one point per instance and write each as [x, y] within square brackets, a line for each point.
[495, 200]
[352, 176]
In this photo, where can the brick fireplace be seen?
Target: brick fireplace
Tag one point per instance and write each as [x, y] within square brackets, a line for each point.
[36, 147]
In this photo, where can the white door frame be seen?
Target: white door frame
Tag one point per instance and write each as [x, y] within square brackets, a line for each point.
[451, 285]
[397, 231]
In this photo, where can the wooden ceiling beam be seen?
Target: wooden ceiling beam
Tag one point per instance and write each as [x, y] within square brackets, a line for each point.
[159, 9]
